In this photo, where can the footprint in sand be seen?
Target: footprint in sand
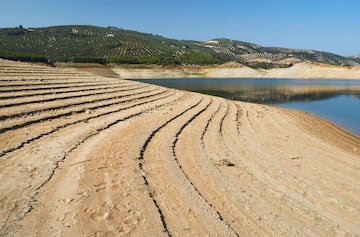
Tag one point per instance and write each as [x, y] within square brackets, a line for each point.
[130, 221]
[133, 218]
[81, 196]
[54, 232]
[69, 219]
[99, 214]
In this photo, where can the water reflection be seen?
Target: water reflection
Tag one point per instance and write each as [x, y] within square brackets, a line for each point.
[273, 96]
[265, 91]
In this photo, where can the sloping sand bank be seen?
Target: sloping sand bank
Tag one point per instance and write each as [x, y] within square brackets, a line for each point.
[300, 70]
[82, 155]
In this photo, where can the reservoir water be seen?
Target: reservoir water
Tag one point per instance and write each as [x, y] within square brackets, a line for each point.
[335, 100]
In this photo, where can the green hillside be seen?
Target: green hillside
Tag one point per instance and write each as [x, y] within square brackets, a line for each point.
[113, 45]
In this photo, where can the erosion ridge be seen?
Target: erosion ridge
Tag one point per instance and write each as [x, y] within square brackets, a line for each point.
[135, 159]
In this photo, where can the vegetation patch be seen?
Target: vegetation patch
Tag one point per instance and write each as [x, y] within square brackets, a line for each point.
[264, 65]
[25, 57]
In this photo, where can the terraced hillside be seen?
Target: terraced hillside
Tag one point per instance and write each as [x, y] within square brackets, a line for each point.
[67, 42]
[82, 155]
[254, 55]
[74, 42]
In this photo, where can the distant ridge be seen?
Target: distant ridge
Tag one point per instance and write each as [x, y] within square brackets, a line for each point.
[356, 58]
[114, 45]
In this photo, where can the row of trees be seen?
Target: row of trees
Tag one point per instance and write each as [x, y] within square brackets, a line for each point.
[199, 58]
[264, 65]
[121, 60]
[145, 60]
[83, 59]
[27, 57]
[196, 58]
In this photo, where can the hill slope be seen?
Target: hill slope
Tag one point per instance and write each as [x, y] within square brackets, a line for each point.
[356, 58]
[66, 43]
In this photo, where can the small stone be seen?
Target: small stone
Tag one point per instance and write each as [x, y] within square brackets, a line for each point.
[225, 162]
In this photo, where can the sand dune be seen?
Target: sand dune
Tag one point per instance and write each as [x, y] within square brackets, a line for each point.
[83, 155]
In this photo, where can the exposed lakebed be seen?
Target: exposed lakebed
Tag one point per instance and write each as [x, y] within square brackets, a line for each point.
[335, 100]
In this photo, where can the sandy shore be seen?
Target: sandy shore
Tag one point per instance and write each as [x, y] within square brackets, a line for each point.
[232, 70]
[83, 155]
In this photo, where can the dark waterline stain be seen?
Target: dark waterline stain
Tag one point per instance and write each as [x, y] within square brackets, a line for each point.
[334, 100]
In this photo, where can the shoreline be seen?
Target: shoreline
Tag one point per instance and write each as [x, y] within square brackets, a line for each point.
[326, 117]
[87, 155]
[233, 70]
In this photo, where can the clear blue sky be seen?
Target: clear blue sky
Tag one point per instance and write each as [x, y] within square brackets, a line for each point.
[327, 25]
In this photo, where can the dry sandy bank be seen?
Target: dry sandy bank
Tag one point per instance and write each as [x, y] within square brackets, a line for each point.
[300, 70]
[82, 155]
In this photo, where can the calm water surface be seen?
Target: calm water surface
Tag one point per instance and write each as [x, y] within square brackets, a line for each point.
[335, 100]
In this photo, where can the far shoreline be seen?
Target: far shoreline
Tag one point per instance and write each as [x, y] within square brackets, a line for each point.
[305, 70]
